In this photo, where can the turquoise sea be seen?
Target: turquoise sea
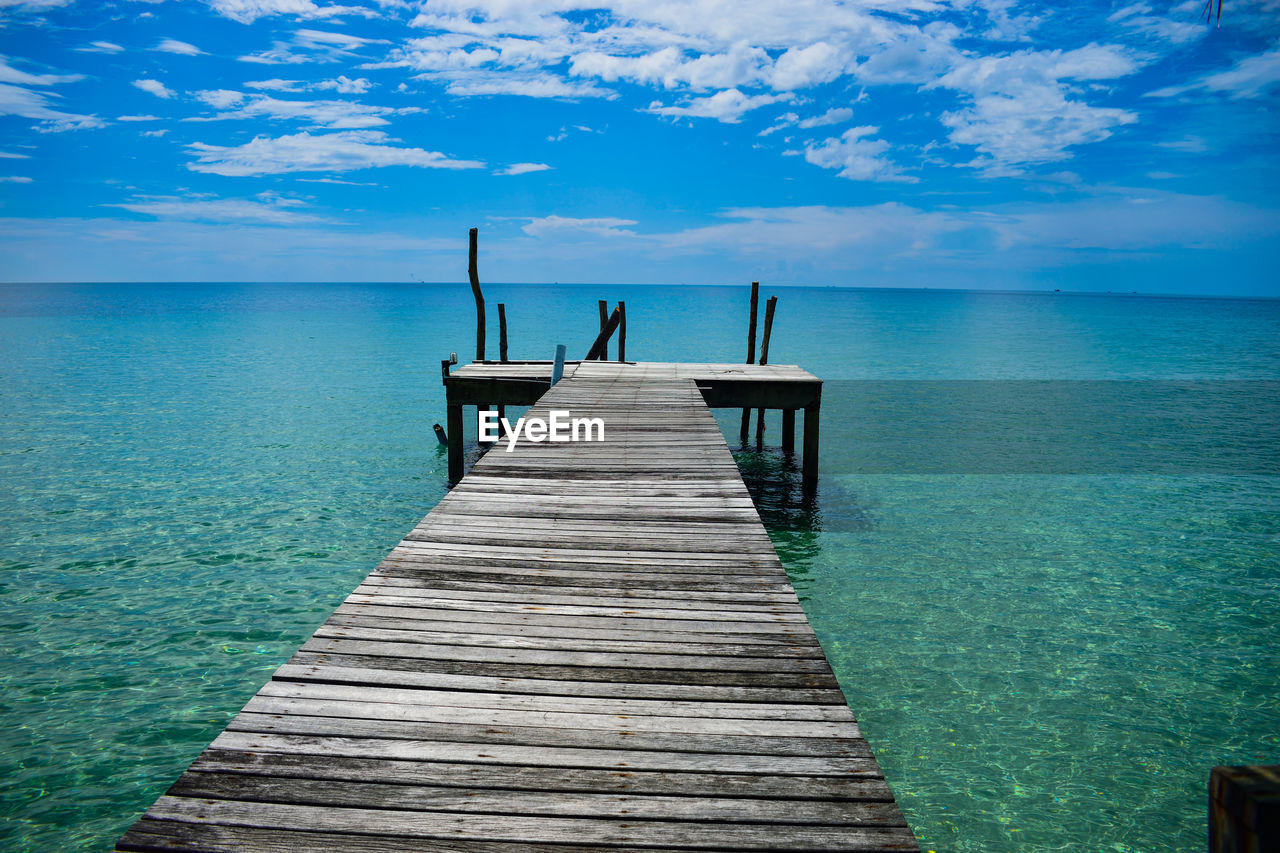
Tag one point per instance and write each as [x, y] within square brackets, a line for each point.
[1044, 558]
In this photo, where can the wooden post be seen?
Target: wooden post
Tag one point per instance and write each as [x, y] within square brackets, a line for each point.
[454, 434]
[1243, 808]
[751, 354]
[622, 332]
[764, 359]
[604, 320]
[788, 430]
[475, 291]
[502, 333]
[809, 462]
[601, 344]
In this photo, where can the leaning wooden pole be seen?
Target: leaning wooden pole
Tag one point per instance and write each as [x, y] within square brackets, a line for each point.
[751, 354]
[764, 359]
[475, 291]
[602, 340]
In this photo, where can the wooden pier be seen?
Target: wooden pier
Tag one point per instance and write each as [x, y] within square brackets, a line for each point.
[723, 386]
[584, 646]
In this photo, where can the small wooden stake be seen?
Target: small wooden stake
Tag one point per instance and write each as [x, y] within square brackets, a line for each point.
[557, 369]
[502, 333]
[751, 354]
[475, 291]
[622, 332]
[604, 320]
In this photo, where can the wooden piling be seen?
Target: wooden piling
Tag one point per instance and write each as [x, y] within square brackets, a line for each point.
[454, 437]
[809, 462]
[764, 359]
[604, 320]
[475, 291]
[622, 332]
[788, 430]
[502, 333]
[751, 354]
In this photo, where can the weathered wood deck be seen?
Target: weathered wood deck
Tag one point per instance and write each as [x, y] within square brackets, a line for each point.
[583, 646]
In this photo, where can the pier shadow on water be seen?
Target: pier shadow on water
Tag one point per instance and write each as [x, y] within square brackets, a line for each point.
[793, 517]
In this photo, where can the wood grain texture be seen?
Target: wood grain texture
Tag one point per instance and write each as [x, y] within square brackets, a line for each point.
[583, 647]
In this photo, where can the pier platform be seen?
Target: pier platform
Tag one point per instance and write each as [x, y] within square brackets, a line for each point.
[584, 646]
[786, 387]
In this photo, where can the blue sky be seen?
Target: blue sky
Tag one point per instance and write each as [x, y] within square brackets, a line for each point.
[903, 143]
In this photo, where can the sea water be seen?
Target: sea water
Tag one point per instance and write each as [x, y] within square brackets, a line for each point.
[1043, 558]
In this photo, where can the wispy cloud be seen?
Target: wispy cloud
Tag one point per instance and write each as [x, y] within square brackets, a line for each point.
[181, 48]
[331, 114]
[1251, 77]
[728, 106]
[267, 207]
[155, 87]
[522, 168]
[15, 179]
[602, 226]
[248, 11]
[100, 47]
[331, 152]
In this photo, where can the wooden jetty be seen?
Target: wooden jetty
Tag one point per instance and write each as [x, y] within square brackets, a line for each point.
[584, 646]
[723, 386]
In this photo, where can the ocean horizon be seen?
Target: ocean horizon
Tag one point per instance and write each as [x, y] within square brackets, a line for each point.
[1042, 560]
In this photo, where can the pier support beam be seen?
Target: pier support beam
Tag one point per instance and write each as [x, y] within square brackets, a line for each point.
[454, 432]
[809, 462]
[788, 430]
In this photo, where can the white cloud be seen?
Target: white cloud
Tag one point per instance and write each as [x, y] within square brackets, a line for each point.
[17, 101]
[728, 106]
[179, 47]
[835, 115]
[15, 179]
[522, 168]
[100, 47]
[9, 74]
[312, 46]
[275, 84]
[1251, 77]
[33, 5]
[12, 155]
[137, 118]
[155, 87]
[857, 159]
[332, 114]
[267, 207]
[345, 85]
[802, 67]
[1036, 127]
[1020, 112]
[781, 123]
[603, 226]
[248, 11]
[1187, 144]
[527, 85]
[303, 152]
[155, 133]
